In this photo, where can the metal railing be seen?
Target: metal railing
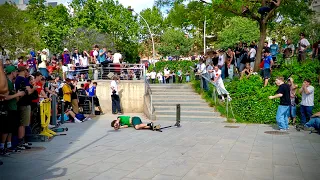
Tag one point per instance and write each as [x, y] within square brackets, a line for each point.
[106, 71]
[148, 96]
[215, 93]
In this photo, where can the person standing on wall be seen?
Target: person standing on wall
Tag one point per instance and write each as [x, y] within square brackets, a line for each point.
[115, 96]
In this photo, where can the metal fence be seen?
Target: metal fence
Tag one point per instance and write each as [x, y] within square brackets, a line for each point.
[106, 72]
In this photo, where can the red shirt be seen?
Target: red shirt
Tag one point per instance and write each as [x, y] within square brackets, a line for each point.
[22, 64]
[86, 86]
[39, 86]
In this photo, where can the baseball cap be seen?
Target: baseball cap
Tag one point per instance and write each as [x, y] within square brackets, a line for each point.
[44, 50]
[10, 69]
[65, 49]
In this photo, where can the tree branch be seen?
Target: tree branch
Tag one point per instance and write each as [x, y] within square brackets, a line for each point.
[252, 15]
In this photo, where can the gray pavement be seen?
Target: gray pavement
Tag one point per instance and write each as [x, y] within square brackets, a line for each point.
[196, 151]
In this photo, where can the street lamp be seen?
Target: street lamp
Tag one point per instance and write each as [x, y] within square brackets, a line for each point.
[153, 49]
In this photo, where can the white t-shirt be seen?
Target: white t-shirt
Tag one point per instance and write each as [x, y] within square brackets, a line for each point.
[115, 87]
[166, 72]
[203, 69]
[43, 64]
[153, 75]
[95, 54]
[84, 61]
[217, 74]
[159, 75]
[221, 60]
[116, 58]
[148, 75]
[308, 99]
[253, 53]
[303, 43]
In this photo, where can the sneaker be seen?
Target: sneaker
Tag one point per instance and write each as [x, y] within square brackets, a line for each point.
[151, 125]
[4, 152]
[156, 127]
[20, 147]
[27, 144]
[308, 128]
[26, 147]
[13, 150]
[120, 113]
[283, 130]
[77, 121]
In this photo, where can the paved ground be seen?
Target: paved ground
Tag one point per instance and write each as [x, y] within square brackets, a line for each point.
[196, 151]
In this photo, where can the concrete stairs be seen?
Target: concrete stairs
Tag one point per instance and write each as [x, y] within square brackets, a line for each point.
[165, 97]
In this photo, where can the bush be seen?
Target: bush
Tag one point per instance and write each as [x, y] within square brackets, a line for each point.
[250, 101]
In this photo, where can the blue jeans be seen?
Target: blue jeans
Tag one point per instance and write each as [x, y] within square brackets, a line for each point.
[293, 110]
[44, 72]
[306, 113]
[204, 82]
[314, 122]
[282, 116]
[223, 74]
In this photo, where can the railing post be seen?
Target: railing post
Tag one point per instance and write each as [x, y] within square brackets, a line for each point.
[151, 104]
[178, 114]
[214, 95]
[92, 106]
[54, 109]
[62, 111]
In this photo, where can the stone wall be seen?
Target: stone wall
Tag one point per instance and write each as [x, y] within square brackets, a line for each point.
[131, 94]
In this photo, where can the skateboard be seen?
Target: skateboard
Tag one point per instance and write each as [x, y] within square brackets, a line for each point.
[299, 128]
[166, 127]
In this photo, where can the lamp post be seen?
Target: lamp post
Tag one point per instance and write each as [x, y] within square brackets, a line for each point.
[153, 49]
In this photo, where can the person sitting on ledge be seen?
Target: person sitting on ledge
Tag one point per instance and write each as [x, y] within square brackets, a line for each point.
[127, 121]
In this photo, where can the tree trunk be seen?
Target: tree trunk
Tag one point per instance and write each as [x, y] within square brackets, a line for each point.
[263, 35]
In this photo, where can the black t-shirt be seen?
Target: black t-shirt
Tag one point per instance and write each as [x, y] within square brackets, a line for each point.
[284, 89]
[73, 94]
[240, 50]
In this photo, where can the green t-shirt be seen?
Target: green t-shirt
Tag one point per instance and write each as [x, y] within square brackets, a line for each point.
[12, 103]
[125, 120]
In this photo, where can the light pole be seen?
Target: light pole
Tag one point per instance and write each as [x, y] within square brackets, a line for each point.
[153, 49]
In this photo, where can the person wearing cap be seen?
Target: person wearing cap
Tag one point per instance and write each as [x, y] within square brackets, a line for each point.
[302, 47]
[64, 62]
[8, 123]
[20, 62]
[274, 49]
[67, 91]
[31, 64]
[24, 104]
[268, 62]
[43, 65]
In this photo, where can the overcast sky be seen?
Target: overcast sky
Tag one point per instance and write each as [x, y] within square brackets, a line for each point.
[137, 5]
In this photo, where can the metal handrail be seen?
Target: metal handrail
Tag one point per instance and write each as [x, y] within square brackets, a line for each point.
[149, 92]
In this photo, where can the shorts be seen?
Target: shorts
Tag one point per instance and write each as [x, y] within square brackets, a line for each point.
[10, 123]
[136, 121]
[96, 101]
[293, 110]
[267, 73]
[25, 114]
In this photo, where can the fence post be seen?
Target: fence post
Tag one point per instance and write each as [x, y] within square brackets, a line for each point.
[62, 112]
[54, 109]
[178, 113]
[92, 106]
[214, 95]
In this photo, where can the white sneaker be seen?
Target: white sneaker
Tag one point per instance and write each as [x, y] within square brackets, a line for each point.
[77, 121]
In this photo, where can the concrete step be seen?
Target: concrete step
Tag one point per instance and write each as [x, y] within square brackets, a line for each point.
[178, 100]
[172, 90]
[170, 87]
[177, 96]
[191, 118]
[189, 113]
[184, 108]
[181, 103]
[174, 93]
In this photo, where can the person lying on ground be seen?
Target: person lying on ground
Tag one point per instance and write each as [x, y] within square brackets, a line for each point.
[78, 118]
[127, 121]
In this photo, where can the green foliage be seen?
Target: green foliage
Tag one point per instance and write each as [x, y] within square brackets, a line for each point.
[175, 43]
[18, 30]
[238, 29]
[183, 65]
[250, 101]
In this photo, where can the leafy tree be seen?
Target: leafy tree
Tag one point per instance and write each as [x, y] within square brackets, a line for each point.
[237, 28]
[175, 43]
[297, 10]
[17, 29]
